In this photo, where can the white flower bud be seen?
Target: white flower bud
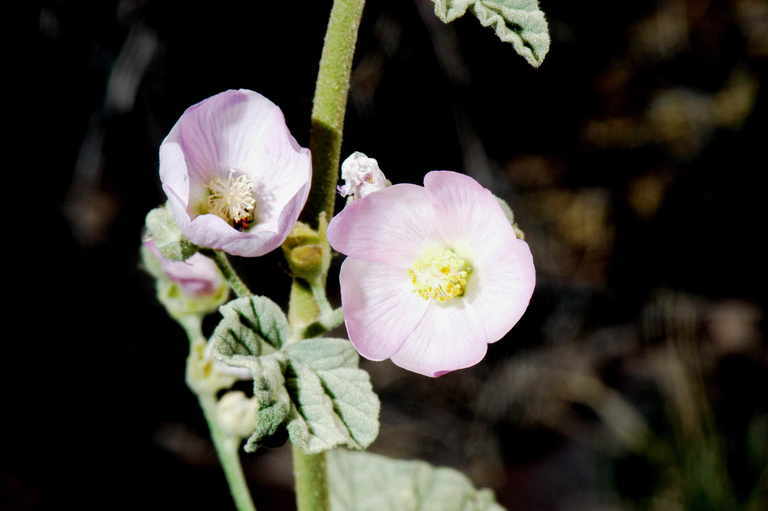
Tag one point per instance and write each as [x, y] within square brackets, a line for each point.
[237, 414]
[362, 176]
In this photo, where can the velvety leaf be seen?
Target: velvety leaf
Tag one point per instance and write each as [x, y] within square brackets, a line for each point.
[333, 400]
[519, 22]
[251, 327]
[322, 353]
[312, 386]
[361, 481]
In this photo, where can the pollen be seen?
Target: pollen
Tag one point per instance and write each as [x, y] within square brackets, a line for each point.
[440, 275]
[232, 198]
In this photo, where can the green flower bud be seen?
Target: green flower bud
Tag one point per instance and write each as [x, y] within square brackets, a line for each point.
[162, 229]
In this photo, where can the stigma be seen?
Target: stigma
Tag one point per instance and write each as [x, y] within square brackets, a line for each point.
[440, 274]
[232, 198]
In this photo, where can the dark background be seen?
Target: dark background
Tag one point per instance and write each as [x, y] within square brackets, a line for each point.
[633, 158]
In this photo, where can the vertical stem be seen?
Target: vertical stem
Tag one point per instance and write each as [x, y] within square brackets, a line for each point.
[226, 448]
[330, 105]
[309, 472]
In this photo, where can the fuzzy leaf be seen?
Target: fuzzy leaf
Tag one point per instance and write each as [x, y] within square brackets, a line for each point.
[519, 22]
[361, 481]
[252, 327]
[313, 386]
[274, 403]
[334, 402]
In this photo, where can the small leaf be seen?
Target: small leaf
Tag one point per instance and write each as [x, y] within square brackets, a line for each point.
[252, 327]
[361, 481]
[268, 421]
[519, 22]
[322, 353]
[274, 404]
[313, 386]
[333, 400]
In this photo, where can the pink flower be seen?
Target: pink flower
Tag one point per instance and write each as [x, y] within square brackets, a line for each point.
[434, 273]
[235, 178]
[197, 276]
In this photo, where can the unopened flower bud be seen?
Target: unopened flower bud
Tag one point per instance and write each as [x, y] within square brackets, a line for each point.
[237, 414]
[306, 251]
[193, 286]
[362, 176]
[162, 229]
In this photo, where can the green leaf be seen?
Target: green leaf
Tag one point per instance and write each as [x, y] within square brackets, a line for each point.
[519, 22]
[313, 386]
[167, 236]
[322, 354]
[334, 402]
[274, 403]
[361, 481]
[252, 326]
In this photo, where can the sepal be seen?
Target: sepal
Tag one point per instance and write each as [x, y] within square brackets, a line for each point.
[307, 251]
[162, 229]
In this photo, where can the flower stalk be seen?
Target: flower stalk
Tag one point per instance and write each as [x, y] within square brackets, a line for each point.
[230, 275]
[226, 446]
[226, 449]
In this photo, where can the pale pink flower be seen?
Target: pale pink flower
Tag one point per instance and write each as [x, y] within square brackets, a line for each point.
[197, 276]
[235, 178]
[434, 273]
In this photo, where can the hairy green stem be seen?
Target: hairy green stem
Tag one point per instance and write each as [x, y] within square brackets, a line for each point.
[309, 471]
[226, 448]
[330, 105]
[230, 275]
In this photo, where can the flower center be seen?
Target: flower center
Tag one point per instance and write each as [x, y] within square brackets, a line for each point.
[440, 275]
[232, 198]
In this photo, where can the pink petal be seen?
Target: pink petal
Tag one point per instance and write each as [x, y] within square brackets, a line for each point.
[210, 231]
[380, 308]
[198, 275]
[243, 131]
[450, 336]
[227, 130]
[468, 216]
[501, 287]
[264, 238]
[391, 226]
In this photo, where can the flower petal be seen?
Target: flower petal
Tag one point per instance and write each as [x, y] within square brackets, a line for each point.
[236, 130]
[380, 308]
[223, 131]
[391, 226]
[468, 216]
[264, 238]
[501, 287]
[449, 337]
[210, 231]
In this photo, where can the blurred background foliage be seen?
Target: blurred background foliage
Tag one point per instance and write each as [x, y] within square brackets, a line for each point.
[633, 160]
